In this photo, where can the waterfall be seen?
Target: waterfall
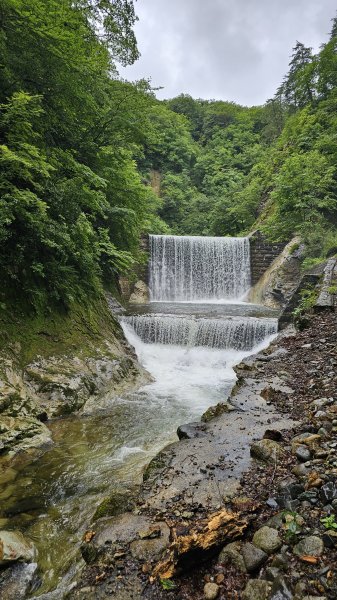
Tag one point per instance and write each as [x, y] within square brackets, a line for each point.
[196, 268]
[237, 333]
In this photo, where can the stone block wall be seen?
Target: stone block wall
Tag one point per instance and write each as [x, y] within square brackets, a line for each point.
[262, 254]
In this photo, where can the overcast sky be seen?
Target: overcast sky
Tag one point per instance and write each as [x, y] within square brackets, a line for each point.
[224, 49]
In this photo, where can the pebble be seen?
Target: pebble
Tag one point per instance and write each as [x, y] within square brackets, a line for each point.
[211, 591]
[303, 453]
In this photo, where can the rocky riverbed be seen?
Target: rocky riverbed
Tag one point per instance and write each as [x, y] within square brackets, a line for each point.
[211, 522]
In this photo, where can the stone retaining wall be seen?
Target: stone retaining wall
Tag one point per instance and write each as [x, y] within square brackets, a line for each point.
[262, 254]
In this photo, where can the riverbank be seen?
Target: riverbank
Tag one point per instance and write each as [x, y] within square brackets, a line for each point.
[290, 391]
[52, 365]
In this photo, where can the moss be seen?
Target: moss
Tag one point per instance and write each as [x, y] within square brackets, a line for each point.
[114, 505]
[156, 464]
[83, 329]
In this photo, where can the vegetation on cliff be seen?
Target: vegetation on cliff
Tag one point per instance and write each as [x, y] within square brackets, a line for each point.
[88, 161]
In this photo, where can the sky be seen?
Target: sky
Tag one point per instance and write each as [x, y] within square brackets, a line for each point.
[235, 50]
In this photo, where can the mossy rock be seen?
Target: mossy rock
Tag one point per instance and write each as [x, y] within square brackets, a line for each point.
[114, 505]
[154, 467]
[217, 411]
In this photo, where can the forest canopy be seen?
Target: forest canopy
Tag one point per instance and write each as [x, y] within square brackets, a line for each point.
[89, 162]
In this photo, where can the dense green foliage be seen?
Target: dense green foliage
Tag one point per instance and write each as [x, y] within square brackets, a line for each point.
[89, 162]
[72, 200]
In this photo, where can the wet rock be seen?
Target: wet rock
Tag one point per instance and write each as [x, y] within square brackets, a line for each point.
[23, 433]
[309, 546]
[303, 453]
[280, 590]
[328, 492]
[211, 591]
[15, 581]
[216, 411]
[253, 557]
[232, 554]
[256, 589]
[190, 431]
[267, 539]
[15, 547]
[266, 450]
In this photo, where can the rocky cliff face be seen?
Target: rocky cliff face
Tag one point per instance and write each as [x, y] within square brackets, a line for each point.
[52, 368]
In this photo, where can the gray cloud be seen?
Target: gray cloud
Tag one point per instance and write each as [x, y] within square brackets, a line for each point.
[224, 49]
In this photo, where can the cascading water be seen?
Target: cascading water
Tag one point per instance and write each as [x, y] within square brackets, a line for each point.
[231, 332]
[195, 268]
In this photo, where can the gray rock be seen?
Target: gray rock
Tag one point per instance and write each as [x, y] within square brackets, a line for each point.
[253, 557]
[232, 554]
[211, 591]
[266, 450]
[267, 539]
[256, 589]
[15, 547]
[280, 590]
[310, 546]
[190, 431]
[328, 492]
[303, 453]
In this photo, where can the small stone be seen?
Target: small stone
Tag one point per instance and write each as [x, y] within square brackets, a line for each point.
[309, 546]
[267, 539]
[328, 492]
[266, 450]
[256, 589]
[253, 557]
[303, 453]
[300, 470]
[231, 554]
[211, 591]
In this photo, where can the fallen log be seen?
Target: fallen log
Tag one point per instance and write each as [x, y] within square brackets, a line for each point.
[189, 543]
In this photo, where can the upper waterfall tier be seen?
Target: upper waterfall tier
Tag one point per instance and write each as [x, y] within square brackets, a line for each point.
[196, 268]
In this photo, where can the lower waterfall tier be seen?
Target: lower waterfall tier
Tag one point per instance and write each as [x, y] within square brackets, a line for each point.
[235, 333]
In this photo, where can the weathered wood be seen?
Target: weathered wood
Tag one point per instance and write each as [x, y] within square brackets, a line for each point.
[209, 534]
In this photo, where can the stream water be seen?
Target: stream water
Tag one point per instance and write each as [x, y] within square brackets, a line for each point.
[189, 338]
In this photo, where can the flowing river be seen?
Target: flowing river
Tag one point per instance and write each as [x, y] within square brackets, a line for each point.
[195, 329]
